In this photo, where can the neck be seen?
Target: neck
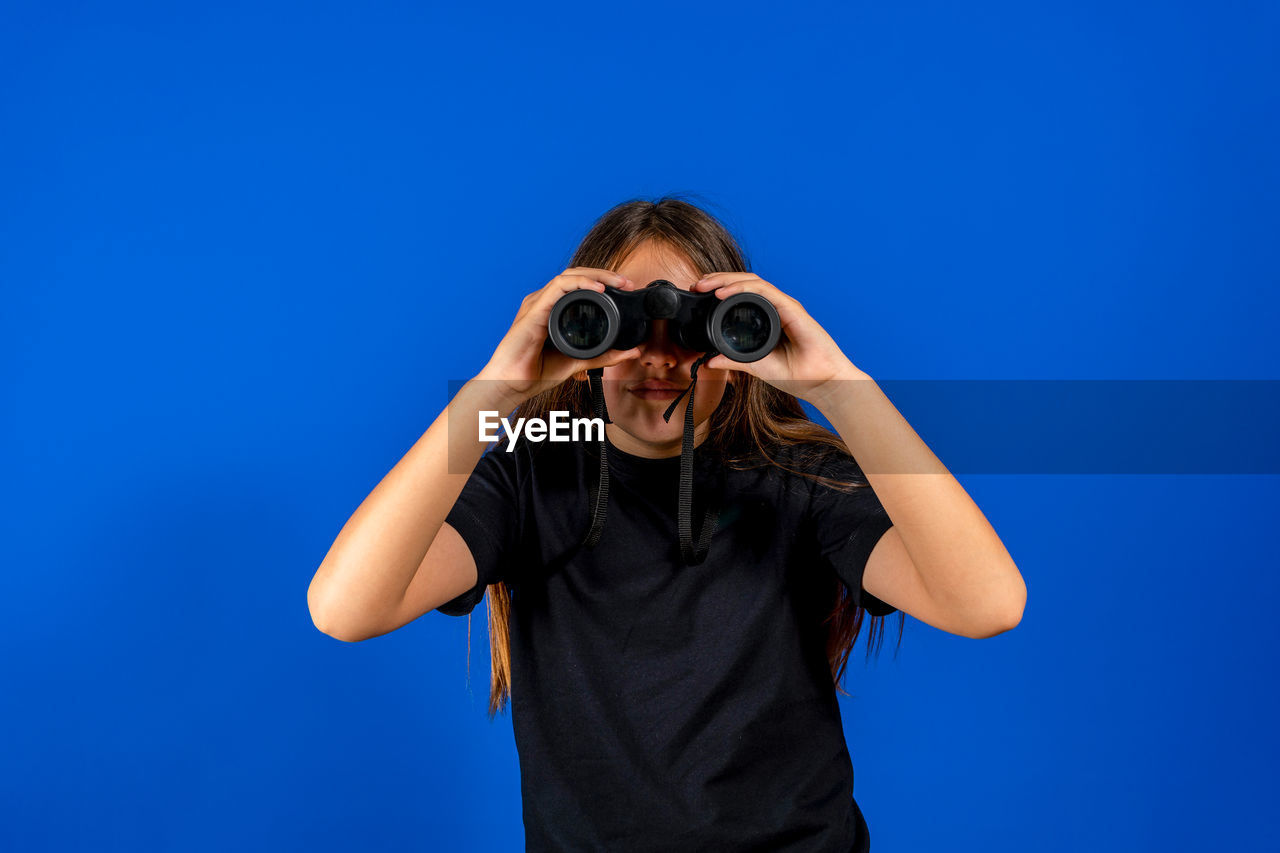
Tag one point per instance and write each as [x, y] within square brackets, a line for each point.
[653, 450]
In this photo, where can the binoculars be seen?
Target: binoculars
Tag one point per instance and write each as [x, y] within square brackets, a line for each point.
[743, 327]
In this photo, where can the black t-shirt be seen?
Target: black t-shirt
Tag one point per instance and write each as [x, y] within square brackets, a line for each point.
[659, 706]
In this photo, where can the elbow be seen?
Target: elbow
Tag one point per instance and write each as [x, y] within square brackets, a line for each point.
[994, 629]
[323, 618]
[1007, 618]
[335, 630]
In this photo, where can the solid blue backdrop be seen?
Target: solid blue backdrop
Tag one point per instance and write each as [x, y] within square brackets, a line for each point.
[231, 243]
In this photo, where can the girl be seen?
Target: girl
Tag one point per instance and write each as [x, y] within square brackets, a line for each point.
[673, 686]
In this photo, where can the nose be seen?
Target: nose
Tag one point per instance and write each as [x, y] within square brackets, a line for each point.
[658, 348]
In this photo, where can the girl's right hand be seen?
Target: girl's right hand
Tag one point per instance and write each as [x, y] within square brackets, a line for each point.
[525, 363]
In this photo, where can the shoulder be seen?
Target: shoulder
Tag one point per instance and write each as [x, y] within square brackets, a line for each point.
[523, 476]
[539, 466]
[801, 473]
[512, 463]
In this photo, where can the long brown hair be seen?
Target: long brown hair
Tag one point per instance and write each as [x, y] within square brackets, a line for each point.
[754, 419]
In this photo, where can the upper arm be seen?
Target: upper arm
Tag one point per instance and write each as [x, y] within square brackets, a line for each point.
[892, 577]
[446, 572]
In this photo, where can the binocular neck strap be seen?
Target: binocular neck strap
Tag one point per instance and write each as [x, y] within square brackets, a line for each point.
[599, 496]
[692, 556]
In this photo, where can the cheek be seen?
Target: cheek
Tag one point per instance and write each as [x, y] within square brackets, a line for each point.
[615, 378]
[615, 392]
[710, 395]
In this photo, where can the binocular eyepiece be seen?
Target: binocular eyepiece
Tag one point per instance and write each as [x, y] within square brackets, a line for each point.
[743, 327]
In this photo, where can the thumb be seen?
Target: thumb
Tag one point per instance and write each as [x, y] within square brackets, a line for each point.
[721, 362]
[611, 358]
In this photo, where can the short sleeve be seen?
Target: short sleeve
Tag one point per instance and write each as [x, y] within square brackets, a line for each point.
[848, 524]
[487, 517]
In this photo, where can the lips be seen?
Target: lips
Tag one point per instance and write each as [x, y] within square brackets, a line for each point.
[656, 385]
[656, 389]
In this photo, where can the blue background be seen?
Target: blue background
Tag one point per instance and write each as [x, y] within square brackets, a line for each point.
[230, 233]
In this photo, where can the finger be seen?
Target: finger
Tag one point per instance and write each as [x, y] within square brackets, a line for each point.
[722, 362]
[754, 284]
[602, 275]
[537, 305]
[608, 359]
[576, 278]
[593, 279]
[611, 358]
[790, 311]
[727, 284]
[711, 281]
[725, 363]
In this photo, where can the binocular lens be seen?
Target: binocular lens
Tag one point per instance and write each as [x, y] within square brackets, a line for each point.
[584, 324]
[745, 327]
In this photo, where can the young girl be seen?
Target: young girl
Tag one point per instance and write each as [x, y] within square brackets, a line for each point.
[672, 664]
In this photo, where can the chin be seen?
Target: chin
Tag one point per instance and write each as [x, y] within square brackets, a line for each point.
[646, 424]
[649, 426]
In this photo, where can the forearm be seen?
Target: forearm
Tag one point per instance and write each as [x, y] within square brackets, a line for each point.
[961, 562]
[375, 556]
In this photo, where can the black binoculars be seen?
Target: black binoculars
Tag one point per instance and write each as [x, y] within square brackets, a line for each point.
[743, 327]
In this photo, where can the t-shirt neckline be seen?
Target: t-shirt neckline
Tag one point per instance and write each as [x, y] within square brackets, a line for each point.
[641, 464]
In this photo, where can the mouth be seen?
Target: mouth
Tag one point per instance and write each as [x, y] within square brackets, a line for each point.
[651, 394]
[656, 390]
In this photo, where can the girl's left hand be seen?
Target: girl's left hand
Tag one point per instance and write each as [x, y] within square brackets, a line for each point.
[806, 363]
